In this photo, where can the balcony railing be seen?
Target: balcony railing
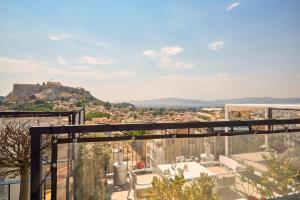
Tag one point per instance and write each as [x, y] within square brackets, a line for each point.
[107, 157]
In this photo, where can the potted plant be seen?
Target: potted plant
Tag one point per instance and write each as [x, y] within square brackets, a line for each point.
[140, 165]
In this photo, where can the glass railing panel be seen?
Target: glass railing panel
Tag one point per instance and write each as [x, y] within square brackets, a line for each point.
[4, 191]
[121, 169]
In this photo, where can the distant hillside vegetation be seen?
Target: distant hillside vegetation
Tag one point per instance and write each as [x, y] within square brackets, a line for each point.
[49, 91]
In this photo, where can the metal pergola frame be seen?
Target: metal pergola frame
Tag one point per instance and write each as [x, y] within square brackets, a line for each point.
[74, 130]
[74, 117]
[70, 114]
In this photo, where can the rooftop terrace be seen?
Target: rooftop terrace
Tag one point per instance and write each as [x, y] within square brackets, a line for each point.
[119, 161]
[131, 159]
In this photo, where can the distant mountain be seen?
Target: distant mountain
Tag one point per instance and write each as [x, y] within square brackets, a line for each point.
[259, 100]
[169, 102]
[47, 92]
[176, 102]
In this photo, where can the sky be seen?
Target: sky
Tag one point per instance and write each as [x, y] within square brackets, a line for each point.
[134, 50]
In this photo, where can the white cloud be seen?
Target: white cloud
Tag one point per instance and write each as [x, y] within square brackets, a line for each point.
[209, 86]
[11, 65]
[232, 6]
[164, 51]
[173, 77]
[171, 50]
[181, 77]
[169, 63]
[58, 37]
[150, 53]
[216, 45]
[61, 60]
[166, 57]
[90, 60]
[52, 37]
[96, 74]
[82, 41]
[43, 69]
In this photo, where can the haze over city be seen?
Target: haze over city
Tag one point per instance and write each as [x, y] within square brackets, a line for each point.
[144, 50]
[156, 100]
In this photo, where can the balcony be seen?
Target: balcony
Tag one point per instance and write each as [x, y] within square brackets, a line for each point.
[121, 161]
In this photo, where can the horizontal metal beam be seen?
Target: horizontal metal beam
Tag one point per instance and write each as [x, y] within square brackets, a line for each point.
[33, 114]
[167, 136]
[288, 109]
[156, 126]
[37, 113]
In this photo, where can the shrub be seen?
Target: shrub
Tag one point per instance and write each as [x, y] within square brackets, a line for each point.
[89, 116]
[201, 188]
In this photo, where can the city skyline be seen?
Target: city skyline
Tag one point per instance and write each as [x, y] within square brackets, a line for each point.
[145, 50]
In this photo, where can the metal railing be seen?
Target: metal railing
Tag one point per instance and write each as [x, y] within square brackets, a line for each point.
[78, 133]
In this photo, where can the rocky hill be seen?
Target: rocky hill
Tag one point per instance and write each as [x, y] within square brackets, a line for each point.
[46, 92]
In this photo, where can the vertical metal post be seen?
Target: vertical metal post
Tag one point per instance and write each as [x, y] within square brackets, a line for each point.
[70, 119]
[68, 187]
[189, 145]
[74, 157]
[73, 118]
[267, 110]
[8, 191]
[70, 158]
[70, 169]
[127, 155]
[54, 171]
[36, 166]
[270, 116]
[131, 156]
[83, 115]
[226, 130]
[79, 117]
[45, 183]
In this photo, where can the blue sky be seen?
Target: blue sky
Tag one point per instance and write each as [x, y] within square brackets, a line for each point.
[124, 50]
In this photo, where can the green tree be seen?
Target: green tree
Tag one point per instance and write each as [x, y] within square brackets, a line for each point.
[202, 189]
[91, 115]
[281, 177]
[136, 133]
[176, 189]
[108, 105]
[80, 103]
[35, 106]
